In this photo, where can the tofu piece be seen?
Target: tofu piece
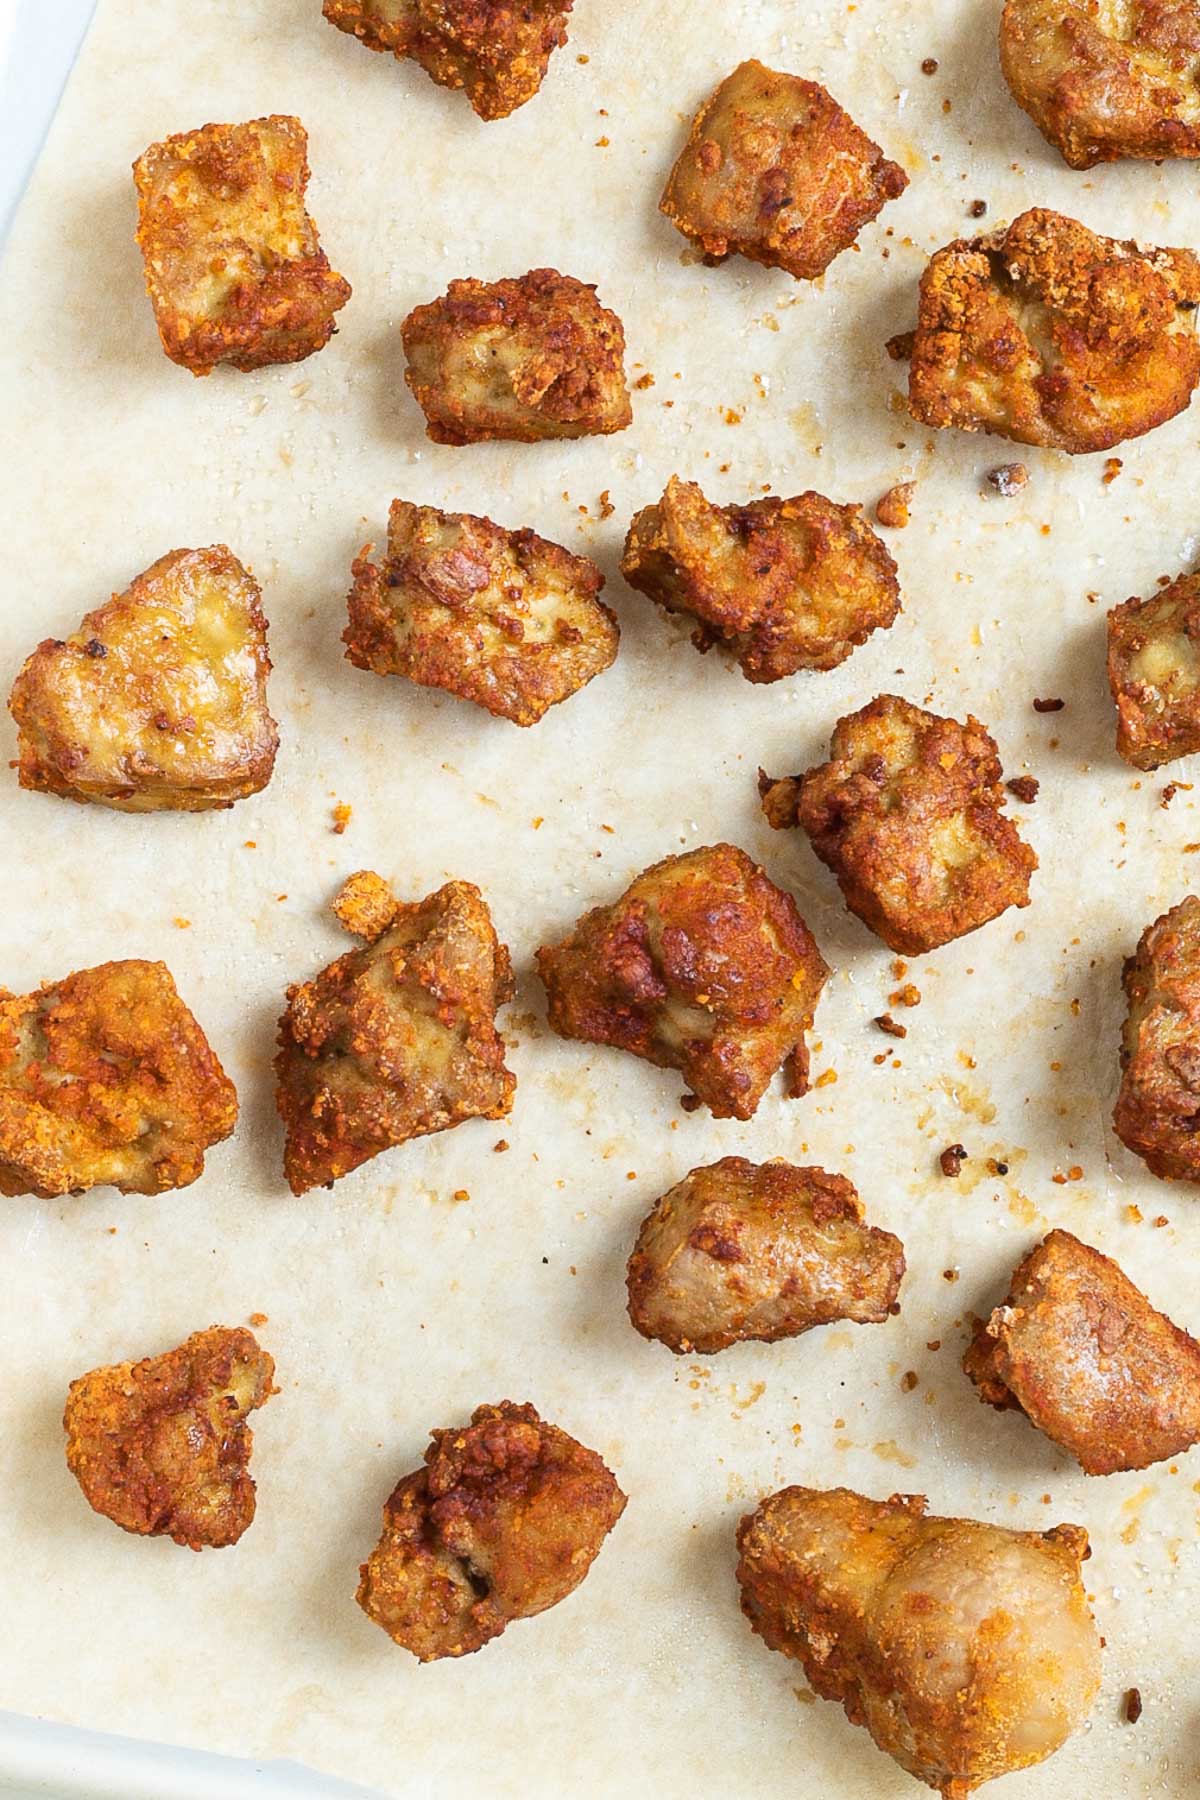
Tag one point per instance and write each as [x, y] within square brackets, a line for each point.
[158, 703]
[1154, 674]
[495, 51]
[1157, 1114]
[1049, 334]
[1104, 80]
[234, 267]
[783, 584]
[773, 169]
[505, 1520]
[396, 1039]
[524, 359]
[743, 1250]
[106, 1079]
[505, 619]
[161, 1447]
[702, 965]
[907, 814]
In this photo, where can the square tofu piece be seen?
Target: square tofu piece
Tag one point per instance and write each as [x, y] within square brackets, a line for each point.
[234, 268]
[158, 703]
[1157, 1114]
[784, 584]
[530, 358]
[775, 170]
[1154, 674]
[503, 618]
[907, 815]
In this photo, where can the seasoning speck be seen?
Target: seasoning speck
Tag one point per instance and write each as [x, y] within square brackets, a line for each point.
[1133, 1705]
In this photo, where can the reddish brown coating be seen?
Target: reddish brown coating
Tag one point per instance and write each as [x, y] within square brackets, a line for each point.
[505, 1520]
[162, 1448]
[773, 169]
[907, 814]
[1154, 674]
[1157, 1114]
[529, 358]
[703, 965]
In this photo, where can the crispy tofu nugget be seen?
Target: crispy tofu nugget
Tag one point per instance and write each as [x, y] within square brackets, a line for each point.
[1157, 1114]
[505, 619]
[234, 267]
[785, 584]
[1051, 335]
[1103, 81]
[107, 1079]
[967, 1651]
[1154, 674]
[158, 703]
[907, 814]
[775, 170]
[162, 1448]
[396, 1039]
[496, 51]
[530, 358]
[702, 965]
[1083, 1354]
[505, 1520]
[743, 1250]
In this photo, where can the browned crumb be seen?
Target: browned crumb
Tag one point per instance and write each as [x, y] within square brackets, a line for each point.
[891, 1026]
[341, 817]
[1025, 787]
[1112, 468]
[909, 1380]
[1008, 478]
[929, 66]
[952, 1159]
[1133, 1705]
[908, 995]
[892, 508]
[977, 209]
[1048, 706]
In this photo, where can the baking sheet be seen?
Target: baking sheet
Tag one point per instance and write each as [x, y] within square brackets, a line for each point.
[391, 1306]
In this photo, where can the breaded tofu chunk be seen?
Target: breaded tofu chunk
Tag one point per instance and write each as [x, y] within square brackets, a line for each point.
[505, 1520]
[1157, 1114]
[396, 1039]
[530, 358]
[966, 1650]
[496, 51]
[234, 268]
[907, 814]
[1154, 674]
[1103, 80]
[162, 1448]
[773, 169]
[106, 1079]
[1083, 1354]
[1051, 335]
[505, 619]
[702, 965]
[758, 1250]
[783, 584]
[158, 703]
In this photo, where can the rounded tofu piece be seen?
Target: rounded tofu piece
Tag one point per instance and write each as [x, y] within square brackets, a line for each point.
[1154, 674]
[1157, 1114]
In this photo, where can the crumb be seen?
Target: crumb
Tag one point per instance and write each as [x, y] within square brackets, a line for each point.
[1112, 468]
[929, 66]
[891, 1026]
[952, 1159]
[256, 1319]
[909, 1380]
[892, 508]
[1008, 478]
[906, 996]
[341, 817]
[500, 1145]
[1025, 787]
[1133, 1705]
[1048, 706]
[977, 209]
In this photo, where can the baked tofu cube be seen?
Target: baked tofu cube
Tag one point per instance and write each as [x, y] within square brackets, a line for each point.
[162, 1448]
[505, 1520]
[702, 965]
[1154, 674]
[396, 1039]
[158, 703]
[531, 358]
[783, 584]
[1157, 1114]
[505, 619]
[1051, 335]
[496, 51]
[907, 815]
[1104, 82]
[773, 169]
[107, 1079]
[234, 267]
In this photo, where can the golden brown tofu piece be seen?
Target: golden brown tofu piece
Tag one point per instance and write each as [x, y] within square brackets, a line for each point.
[396, 1039]
[907, 814]
[234, 267]
[758, 1250]
[1154, 674]
[530, 358]
[784, 584]
[162, 1448]
[702, 965]
[158, 703]
[107, 1079]
[1103, 81]
[1157, 1114]
[773, 169]
[505, 619]
[496, 51]
[1051, 335]
[505, 1520]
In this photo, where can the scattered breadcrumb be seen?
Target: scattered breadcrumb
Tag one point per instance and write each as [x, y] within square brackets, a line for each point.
[892, 508]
